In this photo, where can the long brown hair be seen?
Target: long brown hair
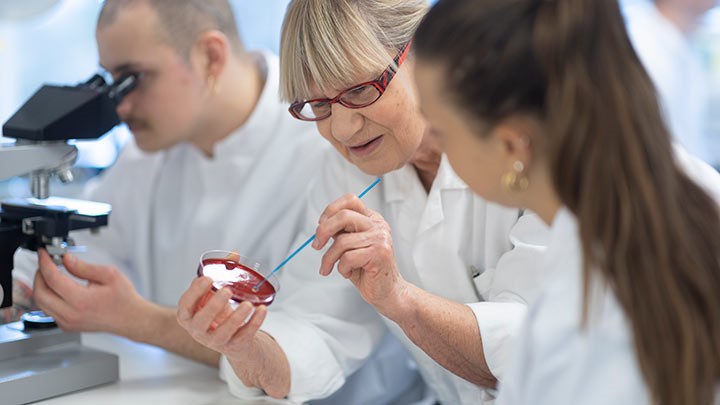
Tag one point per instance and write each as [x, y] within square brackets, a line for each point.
[646, 229]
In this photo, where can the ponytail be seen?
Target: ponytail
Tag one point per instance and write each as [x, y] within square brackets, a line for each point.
[646, 229]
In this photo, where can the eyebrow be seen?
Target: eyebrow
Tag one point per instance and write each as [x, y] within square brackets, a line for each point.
[125, 67]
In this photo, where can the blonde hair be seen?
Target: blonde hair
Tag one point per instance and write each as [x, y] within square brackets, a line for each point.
[330, 43]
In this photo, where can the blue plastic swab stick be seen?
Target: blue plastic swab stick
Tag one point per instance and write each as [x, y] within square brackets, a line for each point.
[307, 242]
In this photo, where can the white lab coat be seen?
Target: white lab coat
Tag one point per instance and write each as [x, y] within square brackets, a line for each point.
[171, 206]
[440, 238]
[558, 363]
[677, 71]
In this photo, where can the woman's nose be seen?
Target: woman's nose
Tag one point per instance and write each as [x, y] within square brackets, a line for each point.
[345, 122]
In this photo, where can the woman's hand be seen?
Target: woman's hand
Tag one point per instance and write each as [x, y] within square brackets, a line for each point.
[362, 248]
[255, 357]
[209, 319]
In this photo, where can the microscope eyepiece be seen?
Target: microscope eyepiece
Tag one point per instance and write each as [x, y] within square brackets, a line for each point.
[124, 85]
[97, 82]
[83, 111]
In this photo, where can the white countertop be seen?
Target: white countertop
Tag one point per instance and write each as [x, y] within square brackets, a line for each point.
[150, 375]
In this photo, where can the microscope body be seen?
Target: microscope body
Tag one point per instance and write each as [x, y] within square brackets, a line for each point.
[37, 362]
[42, 128]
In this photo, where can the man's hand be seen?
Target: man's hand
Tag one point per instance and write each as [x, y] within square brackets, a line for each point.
[23, 302]
[108, 302]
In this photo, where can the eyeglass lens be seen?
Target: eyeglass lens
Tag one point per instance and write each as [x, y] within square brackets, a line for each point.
[355, 97]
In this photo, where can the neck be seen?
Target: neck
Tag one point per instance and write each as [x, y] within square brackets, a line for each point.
[541, 197]
[684, 18]
[230, 105]
[546, 207]
[426, 161]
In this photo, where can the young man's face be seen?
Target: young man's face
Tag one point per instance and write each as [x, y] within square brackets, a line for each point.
[164, 109]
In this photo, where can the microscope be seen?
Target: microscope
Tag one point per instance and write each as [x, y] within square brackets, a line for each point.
[38, 360]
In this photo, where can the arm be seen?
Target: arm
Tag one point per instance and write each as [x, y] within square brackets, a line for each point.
[457, 336]
[447, 331]
[362, 248]
[159, 327]
[94, 307]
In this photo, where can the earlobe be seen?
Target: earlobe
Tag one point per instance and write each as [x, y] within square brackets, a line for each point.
[515, 147]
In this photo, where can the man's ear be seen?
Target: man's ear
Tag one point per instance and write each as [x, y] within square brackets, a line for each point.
[213, 50]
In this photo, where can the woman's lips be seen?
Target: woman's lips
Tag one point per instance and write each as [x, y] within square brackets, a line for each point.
[367, 148]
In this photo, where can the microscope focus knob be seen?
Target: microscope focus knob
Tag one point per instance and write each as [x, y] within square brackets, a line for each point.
[37, 320]
[65, 175]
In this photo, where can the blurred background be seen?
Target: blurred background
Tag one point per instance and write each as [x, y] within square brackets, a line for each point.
[53, 41]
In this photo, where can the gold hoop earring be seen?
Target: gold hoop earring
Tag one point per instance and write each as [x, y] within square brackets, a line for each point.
[515, 180]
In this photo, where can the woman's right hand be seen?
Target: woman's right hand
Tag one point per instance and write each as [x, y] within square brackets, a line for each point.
[361, 249]
[209, 319]
[255, 357]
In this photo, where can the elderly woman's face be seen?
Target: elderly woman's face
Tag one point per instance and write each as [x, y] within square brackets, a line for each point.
[383, 136]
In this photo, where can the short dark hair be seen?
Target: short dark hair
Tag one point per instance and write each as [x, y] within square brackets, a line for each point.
[182, 21]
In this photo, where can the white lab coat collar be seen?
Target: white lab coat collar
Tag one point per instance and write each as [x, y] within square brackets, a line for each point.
[564, 227]
[398, 183]
[265, 111]
[401, 184]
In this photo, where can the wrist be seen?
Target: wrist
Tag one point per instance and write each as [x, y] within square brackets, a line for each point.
[265, 366]
[142, 317]
[400, 305]
[249, 364]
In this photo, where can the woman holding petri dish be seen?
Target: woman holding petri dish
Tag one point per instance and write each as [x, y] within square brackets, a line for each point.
[245, 277]
[553, 90]
[449, 273]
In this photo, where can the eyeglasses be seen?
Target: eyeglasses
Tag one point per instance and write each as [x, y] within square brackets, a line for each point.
[358, 96]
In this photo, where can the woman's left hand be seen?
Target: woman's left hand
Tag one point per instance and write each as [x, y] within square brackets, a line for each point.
[362, 248]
